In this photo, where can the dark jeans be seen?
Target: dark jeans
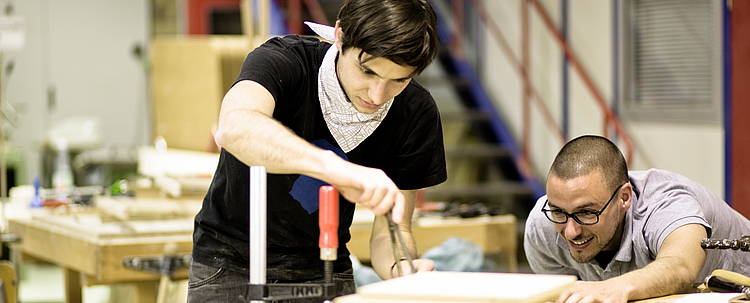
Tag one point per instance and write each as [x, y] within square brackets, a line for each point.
[212, 284]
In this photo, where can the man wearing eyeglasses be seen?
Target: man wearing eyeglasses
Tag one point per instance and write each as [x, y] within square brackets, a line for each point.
[627, 235]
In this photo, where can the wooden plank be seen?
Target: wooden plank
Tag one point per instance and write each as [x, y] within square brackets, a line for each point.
[10, 281]
[359, 244]
[665, 299]
[464, 287]
[188, 81]
[489, 233]
[60, 247]
[73, 291]
[99, 259]
[505, 245]
[123, 209]
[91, 225]
[145, 292]
[114, 251]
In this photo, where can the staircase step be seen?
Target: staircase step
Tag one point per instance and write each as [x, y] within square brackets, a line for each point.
[477, 150]
[482, 190]
[464, 115]
[445, 79]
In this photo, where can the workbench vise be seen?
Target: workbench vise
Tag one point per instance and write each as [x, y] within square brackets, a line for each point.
[164, 265]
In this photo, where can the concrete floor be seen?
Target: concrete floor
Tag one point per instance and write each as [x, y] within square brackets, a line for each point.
[43, 283]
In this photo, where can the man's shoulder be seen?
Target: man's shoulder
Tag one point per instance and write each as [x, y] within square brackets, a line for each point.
[292, 41]
[299, 46]
[415, 91]
[658, 186]
[665, 201]
[536, 211]
[538, 225]
[415, 98]
[656, 174]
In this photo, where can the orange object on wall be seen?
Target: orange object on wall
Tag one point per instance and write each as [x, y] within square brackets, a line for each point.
[199, 14]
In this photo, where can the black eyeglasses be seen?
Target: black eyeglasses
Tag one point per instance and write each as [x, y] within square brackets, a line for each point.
[584, 217]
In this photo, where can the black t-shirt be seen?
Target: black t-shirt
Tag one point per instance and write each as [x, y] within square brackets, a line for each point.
[407, 146]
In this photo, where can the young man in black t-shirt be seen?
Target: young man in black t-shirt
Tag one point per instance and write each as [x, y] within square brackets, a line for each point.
[313, 113]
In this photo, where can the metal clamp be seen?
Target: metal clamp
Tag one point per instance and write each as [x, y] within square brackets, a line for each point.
[164, 265]
[290, 291]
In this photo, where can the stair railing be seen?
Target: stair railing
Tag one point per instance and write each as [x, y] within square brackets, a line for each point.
[521, 66]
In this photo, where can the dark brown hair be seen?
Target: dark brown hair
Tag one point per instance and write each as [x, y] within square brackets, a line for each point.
[585, 154]
[402, 31]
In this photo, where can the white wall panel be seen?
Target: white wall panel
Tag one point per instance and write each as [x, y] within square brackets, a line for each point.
[83, 50]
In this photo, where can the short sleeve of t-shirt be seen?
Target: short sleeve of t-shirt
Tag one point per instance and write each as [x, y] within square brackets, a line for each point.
[275, 64]
[670, 205]
[422, 156]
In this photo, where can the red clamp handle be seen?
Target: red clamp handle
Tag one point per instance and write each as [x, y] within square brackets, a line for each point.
[328, 217]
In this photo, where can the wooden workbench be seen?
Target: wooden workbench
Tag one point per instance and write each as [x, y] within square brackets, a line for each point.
[91, 251]
[91, 246]
[495, 235]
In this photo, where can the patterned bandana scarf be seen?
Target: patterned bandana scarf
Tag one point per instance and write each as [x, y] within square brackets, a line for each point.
[347, 125]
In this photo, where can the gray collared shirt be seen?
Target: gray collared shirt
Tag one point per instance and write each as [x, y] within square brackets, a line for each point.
[663, 201]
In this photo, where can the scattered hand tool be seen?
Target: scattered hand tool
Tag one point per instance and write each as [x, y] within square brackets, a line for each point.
[722, 280]
[742, 243]
[718, 284]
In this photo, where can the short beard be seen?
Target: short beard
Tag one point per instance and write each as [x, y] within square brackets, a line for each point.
[617, 234]
[579, 258]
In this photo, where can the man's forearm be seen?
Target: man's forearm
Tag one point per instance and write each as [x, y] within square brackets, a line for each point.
[247, 130]
[381, 252]
[677, 265]
[257, 139]
[664, 276]
[659, 278]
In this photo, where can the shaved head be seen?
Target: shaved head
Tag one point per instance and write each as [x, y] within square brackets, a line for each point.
[586, 154]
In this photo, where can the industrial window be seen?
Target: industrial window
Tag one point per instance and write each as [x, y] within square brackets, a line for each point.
[671, 60]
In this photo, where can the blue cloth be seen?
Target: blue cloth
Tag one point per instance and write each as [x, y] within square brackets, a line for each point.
[456, 254]
[305, 189]
[363, 275]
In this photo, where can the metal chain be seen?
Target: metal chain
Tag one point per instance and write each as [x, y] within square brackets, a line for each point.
[742, 244]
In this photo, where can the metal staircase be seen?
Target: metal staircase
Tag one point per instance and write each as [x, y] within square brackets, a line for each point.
[481, 156]
[502, 167]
